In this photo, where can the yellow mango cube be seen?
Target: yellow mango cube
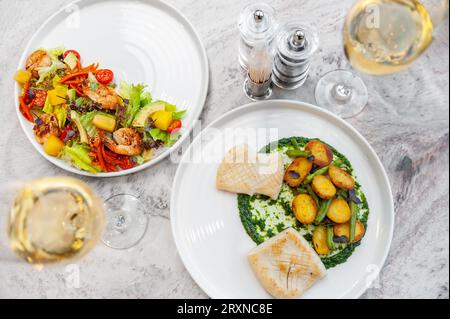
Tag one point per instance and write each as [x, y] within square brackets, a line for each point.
[53, 146]
[162, 119]
[22, 77]
[105, 123]
[57, 96]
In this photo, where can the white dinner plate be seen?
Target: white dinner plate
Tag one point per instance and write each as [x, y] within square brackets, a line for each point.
[142, 41]
[205, 222]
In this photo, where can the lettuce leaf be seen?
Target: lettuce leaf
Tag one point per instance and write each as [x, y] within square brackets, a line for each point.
[46, 71]
[81, 130]
[139, 159]
[60, 112]
[157, 135]
[168, 139]
[137, 98]
[56, 52]
[134, 103]
[78, 154]
[179, 115]
[170, 107]
[146, 98]
[124, 90]
[173, 138]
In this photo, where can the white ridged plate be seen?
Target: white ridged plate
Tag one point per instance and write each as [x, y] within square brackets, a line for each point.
[142, 41]
[205, 222]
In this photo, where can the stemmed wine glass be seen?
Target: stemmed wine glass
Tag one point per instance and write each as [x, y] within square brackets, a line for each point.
[59, 219]
[126, 221]
[380, 37]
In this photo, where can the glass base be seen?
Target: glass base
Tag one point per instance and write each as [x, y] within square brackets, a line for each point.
[342, 93]
[258, 92]
[126, 221]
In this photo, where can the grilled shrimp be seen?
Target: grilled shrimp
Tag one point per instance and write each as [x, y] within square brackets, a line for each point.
[127, 141]
[105, 96]
[48, 126]
[37, 59]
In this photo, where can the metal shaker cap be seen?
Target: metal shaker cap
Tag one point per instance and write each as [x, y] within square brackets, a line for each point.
[257, 22]
[297, 43]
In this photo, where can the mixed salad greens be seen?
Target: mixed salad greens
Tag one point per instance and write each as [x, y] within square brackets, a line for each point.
[80, 115]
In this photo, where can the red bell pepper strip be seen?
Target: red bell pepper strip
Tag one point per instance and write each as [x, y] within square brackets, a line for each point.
[175, 126]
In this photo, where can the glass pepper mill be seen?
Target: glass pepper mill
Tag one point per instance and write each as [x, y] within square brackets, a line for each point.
[296, 44]
[256, 23]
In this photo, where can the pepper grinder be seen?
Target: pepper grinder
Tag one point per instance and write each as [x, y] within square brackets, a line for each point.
[257, 24]
[296, 44]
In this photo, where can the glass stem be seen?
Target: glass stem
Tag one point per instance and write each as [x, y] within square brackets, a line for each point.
[342, 92]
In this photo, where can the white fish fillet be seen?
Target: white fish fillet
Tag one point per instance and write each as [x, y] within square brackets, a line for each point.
[244, 171]
[286, 265]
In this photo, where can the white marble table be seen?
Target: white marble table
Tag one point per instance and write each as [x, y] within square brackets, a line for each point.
[406, 121]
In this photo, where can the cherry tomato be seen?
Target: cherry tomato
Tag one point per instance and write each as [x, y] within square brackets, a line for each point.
[40, 97]
[104, 76]
[72, 51]
[175, 126]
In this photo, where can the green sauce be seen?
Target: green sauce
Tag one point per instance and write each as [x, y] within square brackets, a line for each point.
[264, 218]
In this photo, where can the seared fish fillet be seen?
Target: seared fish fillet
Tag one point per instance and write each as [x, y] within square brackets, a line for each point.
[286, 265]
[244, 171]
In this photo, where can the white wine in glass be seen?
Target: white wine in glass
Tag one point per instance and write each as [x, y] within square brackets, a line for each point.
[55, 219]
[380, 37]
[384, 37]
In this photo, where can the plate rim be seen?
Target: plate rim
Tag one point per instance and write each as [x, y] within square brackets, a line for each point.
[299, 105]
[70, 168]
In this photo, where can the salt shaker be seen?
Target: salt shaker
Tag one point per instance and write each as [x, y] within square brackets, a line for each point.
[257, 23]
[296, 44]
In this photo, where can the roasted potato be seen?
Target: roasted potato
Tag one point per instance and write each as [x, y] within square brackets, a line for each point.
[341, 178]
[340, 230]
[339, 211]
[304, 208]
[323, 155]
[360, 230]
[320, 240]
[323, 187]
[297, 171]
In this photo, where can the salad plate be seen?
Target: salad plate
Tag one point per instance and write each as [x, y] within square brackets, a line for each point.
[143, 42]
[207, 223]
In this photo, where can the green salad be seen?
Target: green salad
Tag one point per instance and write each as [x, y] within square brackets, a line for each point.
[80, 115]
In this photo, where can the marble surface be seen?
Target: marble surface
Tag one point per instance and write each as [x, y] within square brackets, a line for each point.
[406, 121]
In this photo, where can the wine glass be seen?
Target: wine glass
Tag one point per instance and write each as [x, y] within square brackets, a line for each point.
[53, 219]
[57, 219]
[126, 221]
[380, 37]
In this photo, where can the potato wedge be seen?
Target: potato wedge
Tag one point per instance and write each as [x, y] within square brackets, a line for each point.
[323, 155]
[341, 178]
[344, 230]
[339, 211]
[360, 231]
[304, 208]
[323, 187]
[320, 241]
[297, 171]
